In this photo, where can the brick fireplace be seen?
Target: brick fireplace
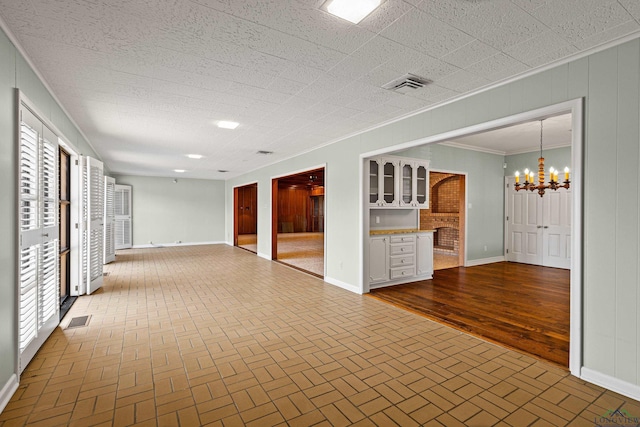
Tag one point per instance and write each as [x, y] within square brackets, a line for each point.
[443, 214]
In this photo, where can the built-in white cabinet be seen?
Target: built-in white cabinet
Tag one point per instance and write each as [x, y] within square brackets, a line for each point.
[424, 251]
[383, 182]
[400, 258]
[398, 182]
[378, 259]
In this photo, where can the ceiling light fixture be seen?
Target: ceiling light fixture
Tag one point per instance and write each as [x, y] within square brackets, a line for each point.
[224, 124]
[529, 183]
[264, 152]
[179, 170]
[222, 171]
[195, 156]
[351, 10]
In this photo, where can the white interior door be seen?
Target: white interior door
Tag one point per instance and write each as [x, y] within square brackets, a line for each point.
[538, 228]
[95, 222]
[38, 305]
[122, 204]
[109, 220]
[556, 229]
[524, 229]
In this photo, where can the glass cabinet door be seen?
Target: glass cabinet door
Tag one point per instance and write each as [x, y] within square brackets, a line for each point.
[374, 176]
[388, 182]
[406, 185]
[422, 185]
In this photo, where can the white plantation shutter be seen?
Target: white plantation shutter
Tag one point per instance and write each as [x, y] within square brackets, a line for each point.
[95, 223]
[84, 227]
[109, 220]
[38, 217]
[122, 205]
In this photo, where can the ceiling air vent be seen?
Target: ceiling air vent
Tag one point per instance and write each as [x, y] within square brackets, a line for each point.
[264, 152]
[406, 83]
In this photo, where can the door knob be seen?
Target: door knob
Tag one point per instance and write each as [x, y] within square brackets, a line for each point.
[539, 226]
[546, 226]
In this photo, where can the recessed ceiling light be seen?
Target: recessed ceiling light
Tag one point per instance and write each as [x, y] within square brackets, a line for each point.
[195, 156]
[227, 125]
[179, 170]
[265, 152]
[351, 10]
[222, 171]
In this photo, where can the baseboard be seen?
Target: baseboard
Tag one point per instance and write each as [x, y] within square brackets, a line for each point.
[168, 245]
[611, 383]
[7, 391]
[343, 285]
[482, 261]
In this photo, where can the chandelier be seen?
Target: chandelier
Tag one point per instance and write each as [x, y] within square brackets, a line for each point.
[529, 179]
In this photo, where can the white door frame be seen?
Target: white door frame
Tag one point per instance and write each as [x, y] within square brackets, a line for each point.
[576, 108]
[466, 205]
[296, 172]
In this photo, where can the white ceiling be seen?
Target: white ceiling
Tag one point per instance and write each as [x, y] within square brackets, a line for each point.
[146, 80]
[520, 138]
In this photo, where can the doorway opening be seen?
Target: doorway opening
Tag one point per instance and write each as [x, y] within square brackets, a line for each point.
[245, 230]
[64, 224]
[506, 140]
[446, 216]
[299, 220]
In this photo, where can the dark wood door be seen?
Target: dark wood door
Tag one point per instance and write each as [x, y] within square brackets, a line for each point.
[248, 209]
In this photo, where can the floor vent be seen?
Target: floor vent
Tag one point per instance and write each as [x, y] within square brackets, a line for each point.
[78, 322]
[406, 83]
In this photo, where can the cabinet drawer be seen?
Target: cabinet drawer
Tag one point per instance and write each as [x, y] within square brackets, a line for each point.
[400, 272]
[403, 249]
[403, 239]
[402, 261]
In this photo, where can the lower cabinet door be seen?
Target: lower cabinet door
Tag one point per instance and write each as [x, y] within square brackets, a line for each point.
[424, 253]
[378, 259]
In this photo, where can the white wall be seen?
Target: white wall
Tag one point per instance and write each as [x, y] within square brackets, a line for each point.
[556, 157]
[16, 73]
[609, 81]
[164, 212]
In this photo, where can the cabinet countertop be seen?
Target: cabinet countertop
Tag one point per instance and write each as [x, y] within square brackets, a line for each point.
[398, 231]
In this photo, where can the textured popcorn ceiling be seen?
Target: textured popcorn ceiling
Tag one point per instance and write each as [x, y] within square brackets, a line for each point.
[146, 80]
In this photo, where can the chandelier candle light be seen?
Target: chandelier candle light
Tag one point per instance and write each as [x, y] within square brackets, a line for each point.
[529, 182]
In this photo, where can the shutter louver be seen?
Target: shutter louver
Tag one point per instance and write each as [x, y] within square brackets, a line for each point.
[85, 224]
[123, 238]
[109, 220]
[38, 217]
[49, 287]
[95, 223]
[49, 185]
[28, 295]
[28, 178]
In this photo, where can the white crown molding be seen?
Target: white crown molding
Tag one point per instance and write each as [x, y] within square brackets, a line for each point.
[472, 148]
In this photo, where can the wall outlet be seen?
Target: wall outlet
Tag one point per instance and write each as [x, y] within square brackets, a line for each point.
[178, 241]
[377, 219]
[485, 248]
[150, 242]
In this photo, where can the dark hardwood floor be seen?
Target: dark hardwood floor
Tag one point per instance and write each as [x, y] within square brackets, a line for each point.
[522, 306]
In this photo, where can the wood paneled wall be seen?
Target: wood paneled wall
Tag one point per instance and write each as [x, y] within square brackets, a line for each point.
[293, 209]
